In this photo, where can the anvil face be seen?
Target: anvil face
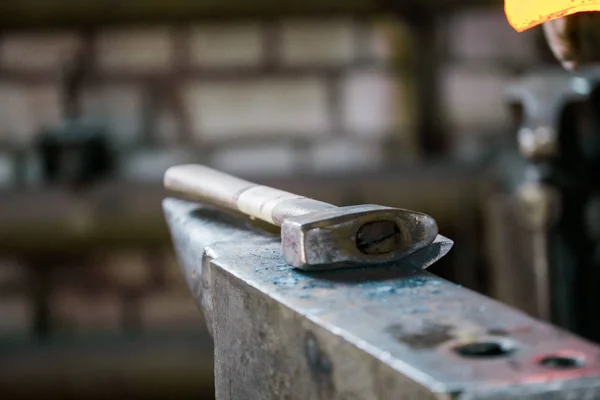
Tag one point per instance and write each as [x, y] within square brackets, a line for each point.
[391, 332]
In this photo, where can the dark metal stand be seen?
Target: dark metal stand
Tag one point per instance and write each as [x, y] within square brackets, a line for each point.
[558, 199]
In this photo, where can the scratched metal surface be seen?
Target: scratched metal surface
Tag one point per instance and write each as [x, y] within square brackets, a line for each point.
[379, 333]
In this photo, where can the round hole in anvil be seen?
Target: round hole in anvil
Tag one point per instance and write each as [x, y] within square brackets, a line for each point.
[487, 349]
[561, 362]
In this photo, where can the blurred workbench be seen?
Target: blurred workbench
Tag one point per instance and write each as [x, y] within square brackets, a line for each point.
[121, 213]
[158, 365]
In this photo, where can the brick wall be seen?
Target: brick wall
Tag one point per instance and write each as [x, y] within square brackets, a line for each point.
[226, 89]
[482, 55]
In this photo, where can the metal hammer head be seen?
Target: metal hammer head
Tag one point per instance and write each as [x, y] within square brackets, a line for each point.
[351, 236]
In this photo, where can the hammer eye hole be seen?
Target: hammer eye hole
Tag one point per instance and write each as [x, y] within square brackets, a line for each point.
[378, 237]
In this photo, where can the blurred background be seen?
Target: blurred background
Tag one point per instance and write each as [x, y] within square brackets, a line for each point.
[358, 101]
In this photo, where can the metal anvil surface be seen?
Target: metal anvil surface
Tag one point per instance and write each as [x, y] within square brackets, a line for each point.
[389, 332]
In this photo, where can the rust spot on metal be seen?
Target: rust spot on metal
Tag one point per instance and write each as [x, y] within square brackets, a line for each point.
[428, 336]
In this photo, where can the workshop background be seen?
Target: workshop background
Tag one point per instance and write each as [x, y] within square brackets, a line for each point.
[349, 102]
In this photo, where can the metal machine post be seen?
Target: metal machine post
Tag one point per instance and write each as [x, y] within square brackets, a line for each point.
[554, 204]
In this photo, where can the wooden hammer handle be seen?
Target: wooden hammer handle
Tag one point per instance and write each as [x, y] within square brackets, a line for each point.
[223, 190]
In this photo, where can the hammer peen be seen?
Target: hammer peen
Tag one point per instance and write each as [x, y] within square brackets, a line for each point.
[314, 235]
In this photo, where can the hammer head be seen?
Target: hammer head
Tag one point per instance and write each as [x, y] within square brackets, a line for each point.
[354, 236]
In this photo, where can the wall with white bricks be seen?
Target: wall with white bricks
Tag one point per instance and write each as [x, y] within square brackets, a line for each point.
[483, 54]
[229, 87]
[233, 86]
[227, 45]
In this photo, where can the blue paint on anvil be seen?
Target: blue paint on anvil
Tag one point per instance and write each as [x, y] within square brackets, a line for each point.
[301, 284]
[286, 281]
[382, 292]
[382, 284]
[316, 284]
[285, 277]
[415, 310]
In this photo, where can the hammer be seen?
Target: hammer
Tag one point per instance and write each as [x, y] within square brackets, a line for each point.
[314, 235]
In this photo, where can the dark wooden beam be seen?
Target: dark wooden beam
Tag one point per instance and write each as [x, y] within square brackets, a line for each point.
[28, 14]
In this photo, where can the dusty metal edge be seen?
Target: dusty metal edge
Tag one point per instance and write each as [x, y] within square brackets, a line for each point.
[209, 246]
[210, 251]
[560, 388]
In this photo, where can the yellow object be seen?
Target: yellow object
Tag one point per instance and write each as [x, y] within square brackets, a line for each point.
[526, 14]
